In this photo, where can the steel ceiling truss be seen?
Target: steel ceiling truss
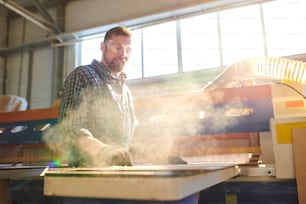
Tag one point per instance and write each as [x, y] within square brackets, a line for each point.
[44, 21]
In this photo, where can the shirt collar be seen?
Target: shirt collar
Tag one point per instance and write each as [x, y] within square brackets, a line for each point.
[104, 71]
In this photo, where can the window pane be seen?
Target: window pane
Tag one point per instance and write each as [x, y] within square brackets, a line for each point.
[160, 49]
[285, 27]
[241, 34]
[200, 44]
[133, 68]
[91, 50]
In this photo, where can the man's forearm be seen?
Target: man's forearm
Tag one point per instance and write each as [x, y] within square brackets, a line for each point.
[89, 144]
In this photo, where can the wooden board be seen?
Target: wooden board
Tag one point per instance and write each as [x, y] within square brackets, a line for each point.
[299, 152]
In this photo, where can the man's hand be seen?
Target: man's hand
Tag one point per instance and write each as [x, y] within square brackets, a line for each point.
[101, 154]
[113, 155]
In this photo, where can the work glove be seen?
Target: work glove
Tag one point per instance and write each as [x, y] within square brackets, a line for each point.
[110, 155]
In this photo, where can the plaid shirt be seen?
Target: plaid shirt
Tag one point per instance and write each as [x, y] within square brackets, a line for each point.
[95, 100]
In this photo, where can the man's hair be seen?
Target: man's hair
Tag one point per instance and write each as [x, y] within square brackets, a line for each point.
[119, 30]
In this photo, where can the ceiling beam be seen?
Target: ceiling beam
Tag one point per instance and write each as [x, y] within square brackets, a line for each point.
[43, 11]
[27, 14]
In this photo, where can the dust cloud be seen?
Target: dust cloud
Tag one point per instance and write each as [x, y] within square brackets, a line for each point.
[168, 124]
[163, 122]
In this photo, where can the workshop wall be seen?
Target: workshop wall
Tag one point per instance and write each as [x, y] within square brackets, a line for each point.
[29, 71]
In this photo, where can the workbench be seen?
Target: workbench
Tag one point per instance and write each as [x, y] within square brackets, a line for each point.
[144, 184]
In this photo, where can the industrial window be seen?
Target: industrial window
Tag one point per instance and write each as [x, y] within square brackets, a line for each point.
[160, 50]
[241, 34]
[213, 40]
[91, 49]
[285, 30]
[200, 42]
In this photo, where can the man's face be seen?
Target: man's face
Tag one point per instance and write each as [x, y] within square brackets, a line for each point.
[116, 52]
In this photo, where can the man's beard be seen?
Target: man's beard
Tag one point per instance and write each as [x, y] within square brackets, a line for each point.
[114, 66]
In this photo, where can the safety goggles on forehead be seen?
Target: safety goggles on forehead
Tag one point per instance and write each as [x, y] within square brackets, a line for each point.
[118, 47]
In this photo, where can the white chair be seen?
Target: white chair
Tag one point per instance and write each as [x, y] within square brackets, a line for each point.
[10, 103]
